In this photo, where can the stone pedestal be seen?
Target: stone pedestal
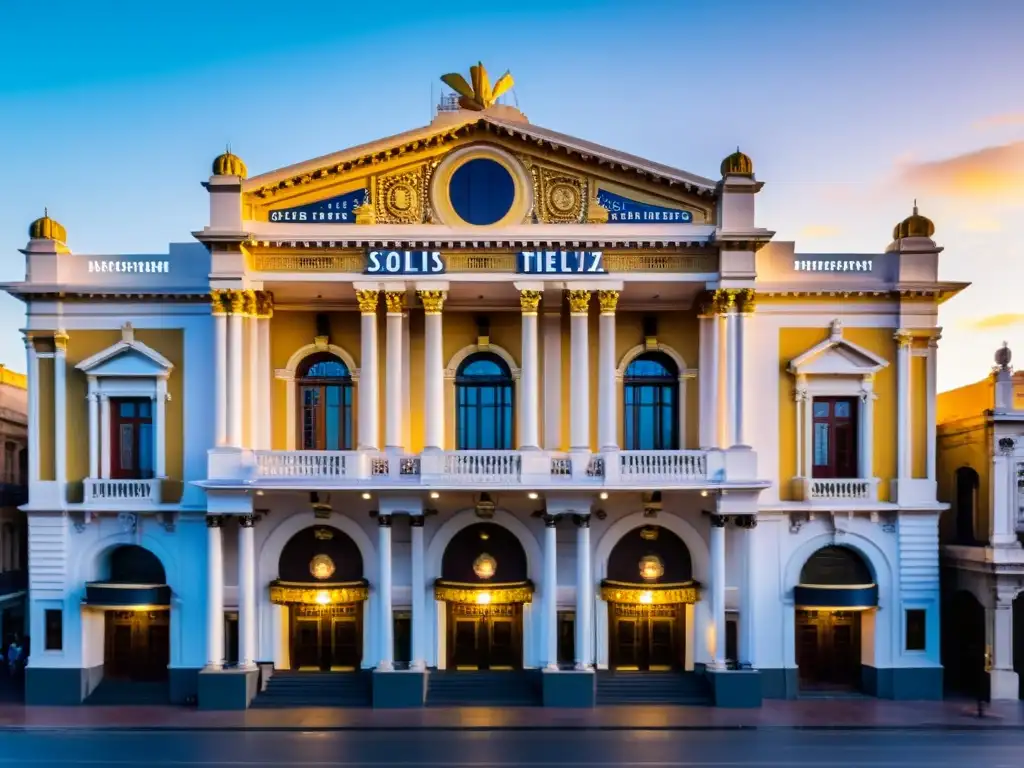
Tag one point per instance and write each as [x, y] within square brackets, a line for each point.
[569, 688]
[735, 688]
[399, 689]
[227, 689]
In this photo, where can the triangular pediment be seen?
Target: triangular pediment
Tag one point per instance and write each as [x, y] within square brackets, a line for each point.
[393, 177]
[836, 356]
[127, 358]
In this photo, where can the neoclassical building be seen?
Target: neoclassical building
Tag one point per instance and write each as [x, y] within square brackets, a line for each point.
[13, 490]
[482, 413]
[981, 473]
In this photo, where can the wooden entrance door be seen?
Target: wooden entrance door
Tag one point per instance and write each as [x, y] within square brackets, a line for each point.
[485, 636]
[137, 645]
[326, 638]
[646, 637]
[828, 649]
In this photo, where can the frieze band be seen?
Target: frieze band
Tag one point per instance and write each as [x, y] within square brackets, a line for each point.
[284, 593]
[654, 594]
[470, 594]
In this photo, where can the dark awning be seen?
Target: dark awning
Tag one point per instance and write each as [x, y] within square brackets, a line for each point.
[102, 594]
[834, 596]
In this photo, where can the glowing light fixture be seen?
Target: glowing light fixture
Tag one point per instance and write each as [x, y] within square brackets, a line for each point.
[485, 566]
[651, 568]
[703, 493]
[435, 495]
[483, 598]
[531, 495]
[323, 598]
[646, 598]
[367, 497]
[604, 495]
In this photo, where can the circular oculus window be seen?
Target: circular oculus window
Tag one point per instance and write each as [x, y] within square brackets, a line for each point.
[481, 191]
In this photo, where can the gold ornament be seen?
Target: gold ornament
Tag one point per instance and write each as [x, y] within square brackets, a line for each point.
[433, 301]
[249, 303]
[649, 594]
[485, 566]
[651, 568]
[608, 300]
[60, 341]
[747, 301]
[398, 198]
[562, 197]
[290, 593]
[236, 299]
[473, 594]
[395, 301]
[480, 95]
[264, 304]
[364, 212]
[579, 302]
[596, 213]
[321, 567]
[529, 301]
[903, 339]
[220, 301]
[368, 301]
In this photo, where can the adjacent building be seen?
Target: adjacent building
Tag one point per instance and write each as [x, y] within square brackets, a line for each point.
[482, 412]
[13, 493]
[981, 471]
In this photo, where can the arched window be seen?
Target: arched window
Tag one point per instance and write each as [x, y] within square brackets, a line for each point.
[966, 497]
[651, 412]
[483, 402]
[325, 403]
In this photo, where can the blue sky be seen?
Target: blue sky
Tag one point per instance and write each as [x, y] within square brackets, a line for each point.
[849, 110]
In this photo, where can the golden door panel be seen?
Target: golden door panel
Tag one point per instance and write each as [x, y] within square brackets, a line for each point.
[137, 645]
[485, 637]
[647, 637]
[326, 638]
[828, 649]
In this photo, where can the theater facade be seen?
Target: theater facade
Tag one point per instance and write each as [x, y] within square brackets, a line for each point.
[482, 413]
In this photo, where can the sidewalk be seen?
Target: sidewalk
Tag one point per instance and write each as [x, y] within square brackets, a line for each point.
[832, 713]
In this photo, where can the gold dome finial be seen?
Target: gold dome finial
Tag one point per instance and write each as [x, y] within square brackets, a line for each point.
[229, 164]
[46, 228]
[915, 225]
[480, 95]
[737, 164]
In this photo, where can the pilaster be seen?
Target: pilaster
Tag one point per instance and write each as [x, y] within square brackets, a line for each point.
[607, 402]
[529, 381]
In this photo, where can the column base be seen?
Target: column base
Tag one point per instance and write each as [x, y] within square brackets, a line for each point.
[902, 683]
[227, 689]
[59, 687]
[738, 689]
[183, 685]
[569, 688]
[385, 666]
[780, 683]
[1004, 685]
[399, 689]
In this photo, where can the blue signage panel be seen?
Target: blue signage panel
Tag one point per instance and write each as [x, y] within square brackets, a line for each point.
[333, 210]
[622, 210]
[404, 263]
[560, 262]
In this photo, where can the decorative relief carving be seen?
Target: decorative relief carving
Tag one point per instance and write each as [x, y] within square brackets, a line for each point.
[596, 213]
[249, 303]
[563, 198]
[368, 301]
[283, 593]
[364, 212]
[395, 301]
[903, 339]
[653, 594]
[129, 522]
[400, 198]
[236, 302]
[433, 301]
[529, 301]
[472, 594]
[608, 301]
[747, 301]
[579, 302]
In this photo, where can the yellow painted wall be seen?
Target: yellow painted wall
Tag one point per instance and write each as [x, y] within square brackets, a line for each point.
[47, 470]
[965, 402]
[919, 417]
[84, 344]
[794, 341]
[964, 443]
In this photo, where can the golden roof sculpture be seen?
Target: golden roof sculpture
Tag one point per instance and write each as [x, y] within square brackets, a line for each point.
[480, 95]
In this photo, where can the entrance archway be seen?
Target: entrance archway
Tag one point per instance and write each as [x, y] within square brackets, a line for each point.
[135, 599]
[322, 586]
[650, 592]
[484, 584]
[963, 645]
[835, 604]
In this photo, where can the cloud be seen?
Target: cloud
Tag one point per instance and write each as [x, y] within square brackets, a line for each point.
[994, 174]
[995, 322]
[815, 231]
[981, 223]
[1007, 119]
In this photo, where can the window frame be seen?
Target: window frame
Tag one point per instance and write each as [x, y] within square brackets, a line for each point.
[57, 629]
[503, 424]
[345, 386]
[117, 421]
[832, 470]
[632, 413]
[923, 629]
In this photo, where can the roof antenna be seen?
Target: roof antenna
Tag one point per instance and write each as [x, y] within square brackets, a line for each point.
[915, 206]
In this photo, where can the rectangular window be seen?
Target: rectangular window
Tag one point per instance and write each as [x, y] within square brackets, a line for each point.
[54, 622]
[131, 439]
[834, 436]
[402, 634]
[566, 637]
[916, 629]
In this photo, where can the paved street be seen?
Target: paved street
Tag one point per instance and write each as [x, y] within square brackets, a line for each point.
[565, 749]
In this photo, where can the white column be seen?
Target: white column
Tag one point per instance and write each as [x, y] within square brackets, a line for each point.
[867, 428]
[584, 595]
[1004, 499]
[291, 417]
[33, 408]
[60, 408]
[104, 436]
[214, 593]
[369, 382]
[386, 616]
[930, 404]
[717, 634]
[903, 465]
[748, 595]
[252, 376]
[234, 377]
[94, 429]
[579, 397]
[265, 407]
[707, 378]
[552, 379]
[721, 361]
[433, 370]
[246, 593]
[393, 384]
[160, 429]
[220, 376]
[1003, 678]
[550, 593]
[800, 398]
[732, 376]
[418, 603]
[740, 329]
[607, 402]
[406, 384]
[529, 380]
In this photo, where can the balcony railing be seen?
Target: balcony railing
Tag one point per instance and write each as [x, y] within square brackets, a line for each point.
[127, 493]
[843, 490]
[657, 469]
